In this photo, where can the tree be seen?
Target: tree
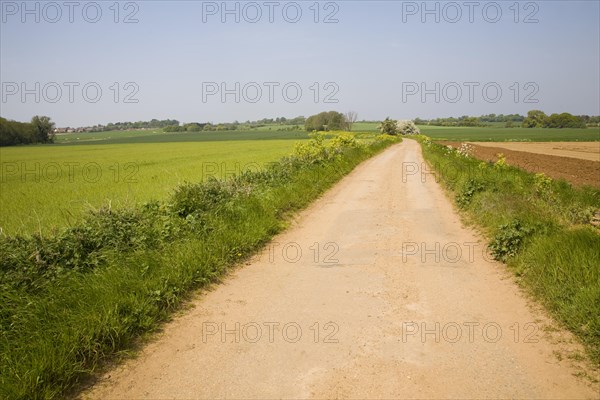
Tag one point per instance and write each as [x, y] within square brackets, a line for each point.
[538, 119]
[564, 120]
[407, 127]
[193, 127]
[389, 127]
[325, 121]
[43, 129]
[13, 133]
[350, 118]
[535, 119]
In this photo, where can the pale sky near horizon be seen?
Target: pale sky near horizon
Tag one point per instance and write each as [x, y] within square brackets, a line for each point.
[379, 58]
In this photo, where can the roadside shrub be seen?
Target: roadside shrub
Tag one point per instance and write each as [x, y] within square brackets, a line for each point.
[401, 127]
[579, 214]
[464, 197]
[313, 151]
[501, 163]
[343, 140]
[542, 184]
[508, 241]
[385, 138]
[32, 262]
[190, 198]
[407, 127]
[388, 127]
[465, 150]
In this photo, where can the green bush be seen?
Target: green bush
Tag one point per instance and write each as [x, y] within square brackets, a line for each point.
[464, 197]
[509, 240]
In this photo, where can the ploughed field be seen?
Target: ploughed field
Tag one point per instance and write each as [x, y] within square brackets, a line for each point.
[582, 150]
[575, 162]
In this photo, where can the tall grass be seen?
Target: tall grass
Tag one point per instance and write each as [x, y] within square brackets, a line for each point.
[70, 301]
[539, 227]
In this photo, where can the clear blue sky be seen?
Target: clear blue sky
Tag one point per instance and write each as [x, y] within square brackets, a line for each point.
[375, 53]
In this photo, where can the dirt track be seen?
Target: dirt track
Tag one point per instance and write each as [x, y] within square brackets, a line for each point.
[482, 339]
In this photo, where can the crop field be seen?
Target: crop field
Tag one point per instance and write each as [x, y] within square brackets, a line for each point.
[497, 133]
[44, 187]
[492, 134]
[582, 150]
[157, 136]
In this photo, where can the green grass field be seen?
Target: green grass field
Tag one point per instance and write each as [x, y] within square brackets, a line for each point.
[366, 126]
[52, 185]
[157, 136]
[496, 132]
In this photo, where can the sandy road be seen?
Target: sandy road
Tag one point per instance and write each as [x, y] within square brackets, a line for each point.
[379, 311]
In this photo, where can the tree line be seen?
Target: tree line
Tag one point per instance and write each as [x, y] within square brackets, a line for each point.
[233, 126]
[331, 121]
[125, 126]
[534, 119]
[39, 130]
[466, 120]
[539, 119]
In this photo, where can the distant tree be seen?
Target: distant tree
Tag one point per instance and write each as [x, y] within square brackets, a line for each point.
[389, 127]
[173, 128]
[594, 121]
[350, 118]
[468, 121]
[538, 119]
[535, 119]
[407, 127]
[193, 127]
[43, 129]
[564, 120]
[39, 130]
[300, 120]
[325, 121]
[13, 132]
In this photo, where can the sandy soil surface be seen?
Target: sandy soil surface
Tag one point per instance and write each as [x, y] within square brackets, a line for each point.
[391, 297]
[575, 170]
[582, 150]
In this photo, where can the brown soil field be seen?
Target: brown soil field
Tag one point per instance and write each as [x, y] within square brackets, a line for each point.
[577, 171]
[582, 150]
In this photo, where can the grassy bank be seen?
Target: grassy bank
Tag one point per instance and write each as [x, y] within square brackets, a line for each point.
[75, 299]
[539, 227]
